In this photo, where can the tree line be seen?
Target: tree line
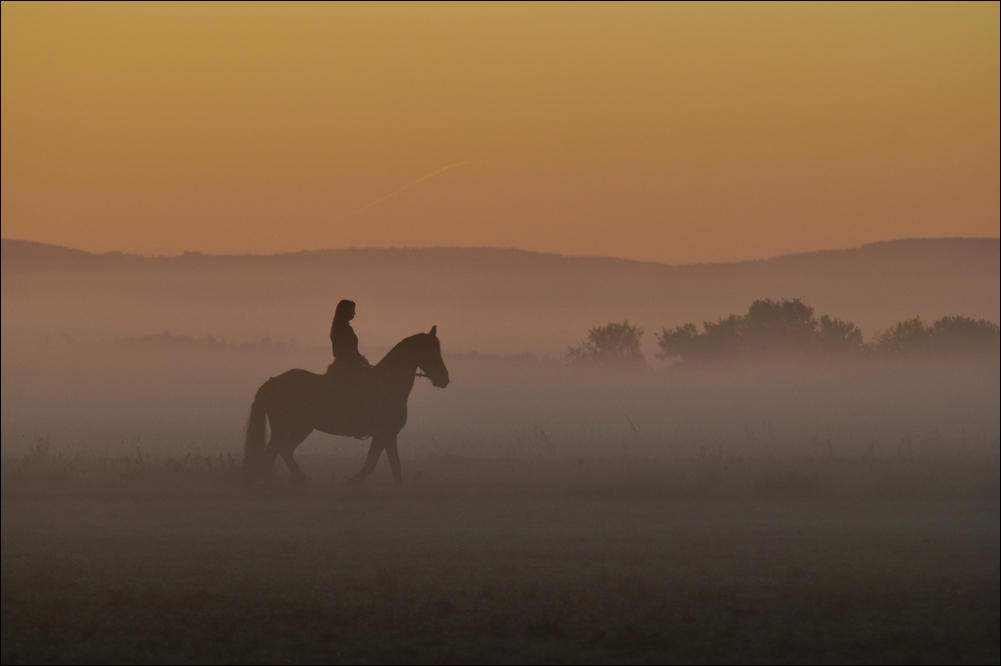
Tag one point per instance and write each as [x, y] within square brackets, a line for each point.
[782, 327]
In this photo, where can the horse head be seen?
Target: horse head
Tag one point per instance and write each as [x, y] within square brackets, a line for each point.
[429, 359]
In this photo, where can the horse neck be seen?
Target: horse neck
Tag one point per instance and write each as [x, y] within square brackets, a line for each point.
[401, 361]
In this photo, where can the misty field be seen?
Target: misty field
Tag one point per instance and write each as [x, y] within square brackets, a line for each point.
[816, 509]
[118, 559]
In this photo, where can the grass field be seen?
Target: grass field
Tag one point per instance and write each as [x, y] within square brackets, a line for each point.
[108, 560]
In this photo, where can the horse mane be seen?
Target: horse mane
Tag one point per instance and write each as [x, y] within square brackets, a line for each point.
[398, 350]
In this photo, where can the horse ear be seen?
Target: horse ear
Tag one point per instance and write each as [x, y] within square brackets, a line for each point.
[434, 330]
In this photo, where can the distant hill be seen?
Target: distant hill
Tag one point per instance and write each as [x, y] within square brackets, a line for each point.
[490, 300]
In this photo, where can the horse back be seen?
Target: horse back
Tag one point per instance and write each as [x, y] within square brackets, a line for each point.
[298, 376]
[292, 386]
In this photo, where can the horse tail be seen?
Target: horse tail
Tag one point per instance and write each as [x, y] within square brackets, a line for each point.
[253, 447]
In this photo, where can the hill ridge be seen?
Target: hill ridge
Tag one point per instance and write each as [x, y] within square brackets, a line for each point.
[9, 243]
[492, 300]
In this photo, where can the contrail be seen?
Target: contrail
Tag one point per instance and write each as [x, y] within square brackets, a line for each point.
[405, 187]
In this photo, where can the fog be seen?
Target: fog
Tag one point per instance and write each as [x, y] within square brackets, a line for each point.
[798, 506]
[170, 395]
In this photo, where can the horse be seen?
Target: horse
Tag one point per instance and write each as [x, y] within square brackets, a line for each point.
[361, 403]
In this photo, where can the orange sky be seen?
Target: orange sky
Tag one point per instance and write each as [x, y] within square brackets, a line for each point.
[674, 133]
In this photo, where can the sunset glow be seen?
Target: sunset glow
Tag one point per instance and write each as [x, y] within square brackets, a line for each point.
[676, 133]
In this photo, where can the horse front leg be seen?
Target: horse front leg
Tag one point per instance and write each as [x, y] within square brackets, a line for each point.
[394, 459]
[374, 451]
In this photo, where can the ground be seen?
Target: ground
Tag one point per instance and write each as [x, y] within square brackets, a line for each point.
[504, 561]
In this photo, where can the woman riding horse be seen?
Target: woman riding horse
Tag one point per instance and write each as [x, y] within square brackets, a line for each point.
[371, 403]
[343, 341]
[350, 368]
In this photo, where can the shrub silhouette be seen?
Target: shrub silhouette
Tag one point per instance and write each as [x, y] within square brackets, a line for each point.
[948, 334]
[769, 326]
[790, 326]
[838, 335]
[613, 342]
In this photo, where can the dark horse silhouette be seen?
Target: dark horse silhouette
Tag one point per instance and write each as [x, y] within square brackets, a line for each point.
[367, 402]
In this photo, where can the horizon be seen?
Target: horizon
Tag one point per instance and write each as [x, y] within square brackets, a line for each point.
[502, 249]
[493, 300]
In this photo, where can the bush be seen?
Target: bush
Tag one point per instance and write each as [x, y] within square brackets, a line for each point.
[948, 334]
[768, 327]
[614, 343]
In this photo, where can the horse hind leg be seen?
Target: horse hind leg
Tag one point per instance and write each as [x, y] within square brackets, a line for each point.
[276, 443]
[394, 460]
[287, 449]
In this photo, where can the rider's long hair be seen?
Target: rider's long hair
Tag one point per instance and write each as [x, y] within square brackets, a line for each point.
[343, 311]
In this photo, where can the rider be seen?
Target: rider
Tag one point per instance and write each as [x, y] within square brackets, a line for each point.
[343, 340]
[349, 365]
